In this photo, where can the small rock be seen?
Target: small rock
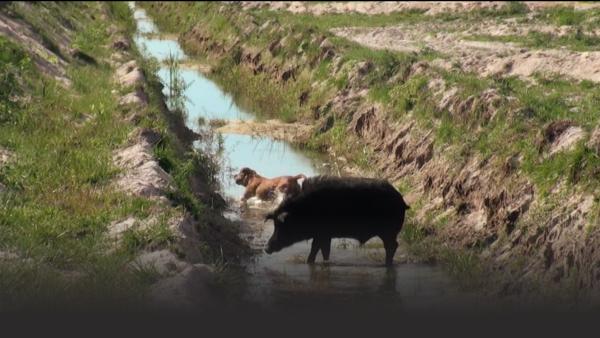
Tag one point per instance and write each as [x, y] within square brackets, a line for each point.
[121, 44]
[138, 98]
[264, 26]
[567, 139]
[142, 174]
[326, 44]
[134, 77]
[164, 261]
[5, 156]
[6, 255]
[116, 229]
[126, 68]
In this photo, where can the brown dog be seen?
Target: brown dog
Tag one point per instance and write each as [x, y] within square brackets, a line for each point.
[265, 188]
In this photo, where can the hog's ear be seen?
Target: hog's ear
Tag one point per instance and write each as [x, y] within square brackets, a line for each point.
[281, 217]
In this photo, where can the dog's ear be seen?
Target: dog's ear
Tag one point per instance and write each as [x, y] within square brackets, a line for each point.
[248, 171]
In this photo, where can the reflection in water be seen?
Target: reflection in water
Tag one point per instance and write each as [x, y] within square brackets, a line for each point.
[354, 273]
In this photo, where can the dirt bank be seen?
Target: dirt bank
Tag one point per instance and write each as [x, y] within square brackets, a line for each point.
[478, 159]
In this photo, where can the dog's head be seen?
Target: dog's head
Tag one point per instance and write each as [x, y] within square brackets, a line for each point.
[244, 176]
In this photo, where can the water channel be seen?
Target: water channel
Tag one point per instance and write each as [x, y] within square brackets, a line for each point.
[354, 272]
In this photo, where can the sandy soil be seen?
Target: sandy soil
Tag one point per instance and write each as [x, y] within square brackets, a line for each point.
[386, 7]
[451, 38]
[485, 58]
[292, 132]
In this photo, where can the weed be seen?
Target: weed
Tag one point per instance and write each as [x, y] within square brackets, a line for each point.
[176, 86]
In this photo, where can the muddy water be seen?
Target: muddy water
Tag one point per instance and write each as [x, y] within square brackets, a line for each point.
[353, 274]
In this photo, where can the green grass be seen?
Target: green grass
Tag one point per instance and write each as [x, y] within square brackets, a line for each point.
[14, 64]
[515, 9]
[330, 20]
[59, 197]
[577, 41]
[259, 94]
[562, 16]
[155, 236]
[60, 201]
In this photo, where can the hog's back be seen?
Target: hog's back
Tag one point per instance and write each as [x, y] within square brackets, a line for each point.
[348, 203]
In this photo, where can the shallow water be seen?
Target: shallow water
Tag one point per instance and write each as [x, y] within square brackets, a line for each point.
[204, 98]
[283, 277]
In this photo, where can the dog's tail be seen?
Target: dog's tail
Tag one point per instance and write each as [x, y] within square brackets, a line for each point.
[299, 176]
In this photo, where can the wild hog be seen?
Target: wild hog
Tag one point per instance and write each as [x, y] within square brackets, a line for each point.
[334, 207]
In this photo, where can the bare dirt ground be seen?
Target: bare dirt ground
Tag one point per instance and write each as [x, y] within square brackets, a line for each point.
[292, 132]
[386, 7]
[455, 39]
[482, 57]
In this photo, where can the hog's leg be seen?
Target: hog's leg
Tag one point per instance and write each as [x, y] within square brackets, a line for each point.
[326, 248]
[314, 249]
[390, 244]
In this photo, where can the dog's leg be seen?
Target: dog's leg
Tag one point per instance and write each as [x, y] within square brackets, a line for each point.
[247, 194]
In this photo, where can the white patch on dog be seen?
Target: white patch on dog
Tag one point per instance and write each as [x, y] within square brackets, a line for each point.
[256, 203]
[279, 198]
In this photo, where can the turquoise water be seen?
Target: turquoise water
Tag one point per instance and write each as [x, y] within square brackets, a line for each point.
[205, 99]
[159, 48]
[144, 24]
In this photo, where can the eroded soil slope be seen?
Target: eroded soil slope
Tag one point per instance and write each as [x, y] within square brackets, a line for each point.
[487, 119]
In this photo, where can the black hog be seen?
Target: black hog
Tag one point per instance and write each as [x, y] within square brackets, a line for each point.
[336, 207]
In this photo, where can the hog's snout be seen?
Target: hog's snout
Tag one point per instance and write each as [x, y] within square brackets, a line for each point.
[272, 246]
